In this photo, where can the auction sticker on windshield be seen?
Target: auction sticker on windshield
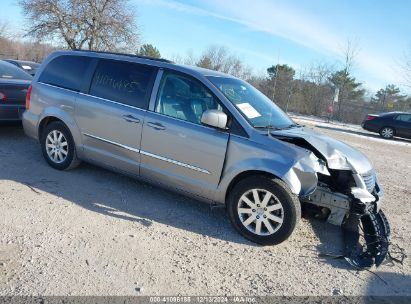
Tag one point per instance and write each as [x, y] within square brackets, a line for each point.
[248, 110]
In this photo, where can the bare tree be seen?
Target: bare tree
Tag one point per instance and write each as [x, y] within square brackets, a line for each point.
[219, 58]
[315, 91]
[4, 33]
[342, 80]
[83, 24]
[350, 52]
[190, 58]
[318, 72]
[6, 48]
[24, 50]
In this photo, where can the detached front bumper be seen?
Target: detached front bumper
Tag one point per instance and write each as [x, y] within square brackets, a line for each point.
[366, 213]
[358, 213]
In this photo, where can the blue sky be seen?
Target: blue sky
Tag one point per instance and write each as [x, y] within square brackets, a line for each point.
[264, 32]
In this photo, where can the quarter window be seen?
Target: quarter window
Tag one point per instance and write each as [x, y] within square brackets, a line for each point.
[124, 82]
[184, 98]
[66, 72]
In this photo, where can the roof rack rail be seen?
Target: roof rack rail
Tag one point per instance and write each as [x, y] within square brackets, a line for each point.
[125, 54]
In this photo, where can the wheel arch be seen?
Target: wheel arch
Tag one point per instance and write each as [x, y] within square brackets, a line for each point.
[57, 114]
[244, 175]
[46, 121]
[247, 173]
[298, 180]
[388, 126]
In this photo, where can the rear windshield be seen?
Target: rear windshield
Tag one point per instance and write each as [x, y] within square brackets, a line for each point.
[10, 71]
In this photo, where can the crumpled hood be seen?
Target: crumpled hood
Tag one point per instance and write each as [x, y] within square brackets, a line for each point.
[339, 156]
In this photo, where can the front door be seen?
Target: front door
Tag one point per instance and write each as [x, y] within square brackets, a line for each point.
[403, 125]
[176, 149]
[110, 116]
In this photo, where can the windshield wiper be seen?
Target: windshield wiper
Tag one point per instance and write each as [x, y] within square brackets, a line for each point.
[294, 125]
[271, 127]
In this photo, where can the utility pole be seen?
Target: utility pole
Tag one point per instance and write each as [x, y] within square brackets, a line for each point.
[335, 100]
[383, 100]
[288, 98]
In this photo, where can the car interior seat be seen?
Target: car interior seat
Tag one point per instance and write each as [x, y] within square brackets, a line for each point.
[175, 106]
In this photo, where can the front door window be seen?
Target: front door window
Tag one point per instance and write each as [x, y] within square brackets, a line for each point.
[184, 98]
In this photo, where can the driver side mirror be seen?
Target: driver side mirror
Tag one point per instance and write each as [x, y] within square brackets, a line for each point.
[214, 118]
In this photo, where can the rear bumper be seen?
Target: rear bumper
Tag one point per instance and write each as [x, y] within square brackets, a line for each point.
[369, 126]
[364, 125]
[11, 112]
[30, 122]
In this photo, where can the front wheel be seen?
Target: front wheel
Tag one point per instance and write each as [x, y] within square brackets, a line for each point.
[263, 210]
[58, 146]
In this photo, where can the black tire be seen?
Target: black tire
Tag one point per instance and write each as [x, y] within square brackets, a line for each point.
[387, 132]
[71, 161]
[291, 209]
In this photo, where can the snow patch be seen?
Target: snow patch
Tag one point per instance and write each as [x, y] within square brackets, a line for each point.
[350, 129]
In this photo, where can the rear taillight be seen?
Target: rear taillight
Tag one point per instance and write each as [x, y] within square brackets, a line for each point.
[28, 96]
[3, 97]
[369, 117]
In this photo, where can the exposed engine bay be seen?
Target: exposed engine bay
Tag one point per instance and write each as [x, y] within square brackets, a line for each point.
[345, 197]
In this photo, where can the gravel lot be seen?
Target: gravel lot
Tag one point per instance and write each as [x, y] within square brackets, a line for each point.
[93, 232]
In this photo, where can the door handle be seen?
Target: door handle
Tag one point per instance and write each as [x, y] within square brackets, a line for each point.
[131, 118]
[156, 125]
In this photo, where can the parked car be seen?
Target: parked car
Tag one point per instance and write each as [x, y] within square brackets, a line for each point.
[389, 124]
[27, 66]
[205, 134]
[13, 88]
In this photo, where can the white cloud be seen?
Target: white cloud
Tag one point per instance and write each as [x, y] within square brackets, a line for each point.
[283, 20]
[279, 20]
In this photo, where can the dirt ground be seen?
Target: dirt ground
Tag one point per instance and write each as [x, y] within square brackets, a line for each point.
[93, 232]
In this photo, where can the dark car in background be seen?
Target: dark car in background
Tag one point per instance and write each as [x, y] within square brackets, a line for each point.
[14, 84]
[389, 124]
[27, 66]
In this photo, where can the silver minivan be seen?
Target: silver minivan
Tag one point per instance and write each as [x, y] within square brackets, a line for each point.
[205, 134]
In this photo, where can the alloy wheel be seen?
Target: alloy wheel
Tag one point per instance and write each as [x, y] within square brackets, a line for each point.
[387, 132]
[57, 146]
[260, 212]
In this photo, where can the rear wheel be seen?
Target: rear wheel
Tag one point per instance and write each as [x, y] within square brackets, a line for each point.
[58, 146]
[387, 132]
[263, 210]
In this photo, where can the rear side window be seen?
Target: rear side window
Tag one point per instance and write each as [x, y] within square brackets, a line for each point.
[404, 117]
[66, 72]
[124, 82]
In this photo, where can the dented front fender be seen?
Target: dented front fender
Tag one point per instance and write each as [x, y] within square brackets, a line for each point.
[295, 166]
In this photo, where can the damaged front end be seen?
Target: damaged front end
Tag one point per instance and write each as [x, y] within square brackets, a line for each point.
[342, 202]
[346, 197]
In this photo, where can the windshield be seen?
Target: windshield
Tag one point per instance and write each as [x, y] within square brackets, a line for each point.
[258, 109]
[9, 71]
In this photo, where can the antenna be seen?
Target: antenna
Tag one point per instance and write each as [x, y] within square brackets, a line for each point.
[274, 88]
